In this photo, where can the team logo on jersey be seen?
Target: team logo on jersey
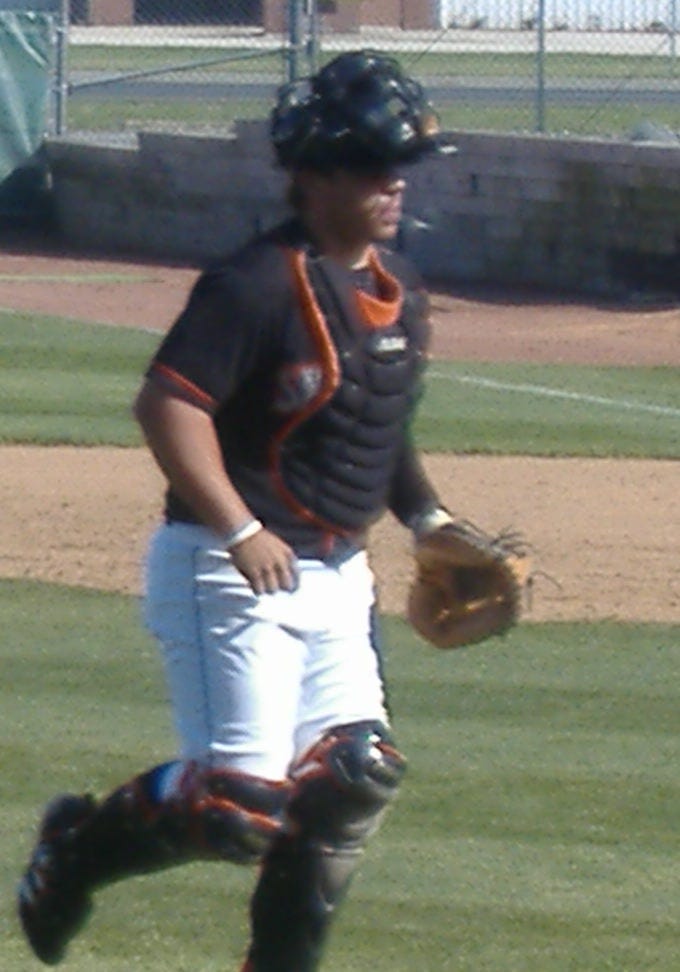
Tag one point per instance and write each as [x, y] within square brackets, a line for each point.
[296, 386]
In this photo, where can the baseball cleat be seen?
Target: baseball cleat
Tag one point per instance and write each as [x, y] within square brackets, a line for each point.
[53, 899]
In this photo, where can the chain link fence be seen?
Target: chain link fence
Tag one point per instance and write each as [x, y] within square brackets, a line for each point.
[607, 68]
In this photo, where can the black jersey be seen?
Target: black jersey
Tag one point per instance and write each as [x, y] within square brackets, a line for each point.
[311, 374]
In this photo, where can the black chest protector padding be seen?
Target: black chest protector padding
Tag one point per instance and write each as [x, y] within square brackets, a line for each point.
[338, 462]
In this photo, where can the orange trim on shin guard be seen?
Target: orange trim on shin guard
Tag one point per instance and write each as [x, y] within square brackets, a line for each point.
[233, 816]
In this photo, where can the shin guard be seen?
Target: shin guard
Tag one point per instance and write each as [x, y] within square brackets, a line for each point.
[172, 814]
[341, 789]
[177, 813]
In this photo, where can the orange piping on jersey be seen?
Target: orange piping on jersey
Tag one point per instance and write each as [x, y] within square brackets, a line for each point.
[182, 387]
[380, 311]
[330, 379]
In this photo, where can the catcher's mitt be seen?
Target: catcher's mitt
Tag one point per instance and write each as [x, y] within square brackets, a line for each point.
[468, 585]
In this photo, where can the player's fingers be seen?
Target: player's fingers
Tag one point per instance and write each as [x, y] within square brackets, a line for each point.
[279, 576]
[267, 563]
[257, 582]
[288, 575]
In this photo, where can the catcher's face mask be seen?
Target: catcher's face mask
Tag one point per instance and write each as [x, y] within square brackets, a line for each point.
[359, 111]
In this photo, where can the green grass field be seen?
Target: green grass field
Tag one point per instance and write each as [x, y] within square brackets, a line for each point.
[530, 409]
[68, 382]
[536, 831]
[64, 382]
[537, 828]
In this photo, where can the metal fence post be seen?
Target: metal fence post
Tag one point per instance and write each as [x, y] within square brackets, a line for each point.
[540, 66]
[313, 39]
[60, 68]
[295, 37]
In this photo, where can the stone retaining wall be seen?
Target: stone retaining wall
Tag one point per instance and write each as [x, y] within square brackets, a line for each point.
[574, 214]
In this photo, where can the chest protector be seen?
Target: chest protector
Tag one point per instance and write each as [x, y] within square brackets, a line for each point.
[344, 403]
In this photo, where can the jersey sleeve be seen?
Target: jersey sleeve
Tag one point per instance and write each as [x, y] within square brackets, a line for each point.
[218, 340]
[411, 493]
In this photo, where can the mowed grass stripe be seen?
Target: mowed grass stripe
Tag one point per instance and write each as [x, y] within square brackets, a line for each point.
[538, 409]
[542, 391]
[68, 382]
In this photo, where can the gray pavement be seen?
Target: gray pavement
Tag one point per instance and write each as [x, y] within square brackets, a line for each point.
[470, 91]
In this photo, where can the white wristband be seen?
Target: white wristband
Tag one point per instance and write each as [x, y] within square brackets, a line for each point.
[430, 521]
[249, 529]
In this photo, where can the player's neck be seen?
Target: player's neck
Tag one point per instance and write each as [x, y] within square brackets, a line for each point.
[353, 253]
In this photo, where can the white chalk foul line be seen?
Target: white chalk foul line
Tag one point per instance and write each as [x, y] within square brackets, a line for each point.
[546, 392]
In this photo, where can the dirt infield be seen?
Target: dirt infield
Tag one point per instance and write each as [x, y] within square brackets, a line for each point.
[606, 533]
[473, 326]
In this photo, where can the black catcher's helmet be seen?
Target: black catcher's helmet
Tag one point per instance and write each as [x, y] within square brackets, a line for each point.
[359, 110]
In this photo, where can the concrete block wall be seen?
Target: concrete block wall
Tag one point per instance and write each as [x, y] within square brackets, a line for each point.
[161, 195]
[582, 215]
[572, 214]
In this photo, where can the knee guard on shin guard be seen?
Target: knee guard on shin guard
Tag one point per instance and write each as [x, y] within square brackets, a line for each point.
[342, 785]
[341, 788]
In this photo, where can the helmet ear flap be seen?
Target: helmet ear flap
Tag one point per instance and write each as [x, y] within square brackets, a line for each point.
[294, 121]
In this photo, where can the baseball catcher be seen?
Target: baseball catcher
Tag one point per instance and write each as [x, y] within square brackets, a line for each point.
[468, 585]
[279, 409]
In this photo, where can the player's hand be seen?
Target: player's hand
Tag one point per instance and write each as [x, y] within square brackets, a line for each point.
[267, 563]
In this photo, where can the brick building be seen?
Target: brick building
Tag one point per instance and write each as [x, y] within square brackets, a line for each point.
[343, 16]
[338, 15]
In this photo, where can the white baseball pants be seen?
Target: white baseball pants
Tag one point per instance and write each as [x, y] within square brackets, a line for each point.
[255, 680]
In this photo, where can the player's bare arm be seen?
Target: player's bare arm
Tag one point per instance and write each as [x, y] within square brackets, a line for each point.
[182, 439]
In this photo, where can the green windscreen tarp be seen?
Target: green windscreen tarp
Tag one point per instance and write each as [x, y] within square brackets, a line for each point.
[26, 45]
